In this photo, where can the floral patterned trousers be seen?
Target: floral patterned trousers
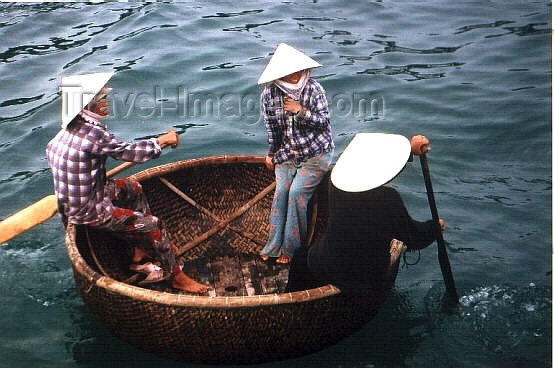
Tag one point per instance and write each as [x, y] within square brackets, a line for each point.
[133, 222]
[295, 186]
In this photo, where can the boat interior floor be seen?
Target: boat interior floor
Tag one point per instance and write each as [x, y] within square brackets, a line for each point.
[227, 272]
[232, 275]
[239, 275]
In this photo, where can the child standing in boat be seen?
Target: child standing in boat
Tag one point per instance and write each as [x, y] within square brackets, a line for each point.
[296, 116]
[77, 156]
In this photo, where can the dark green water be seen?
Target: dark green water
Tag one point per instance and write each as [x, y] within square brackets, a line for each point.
[474, 77]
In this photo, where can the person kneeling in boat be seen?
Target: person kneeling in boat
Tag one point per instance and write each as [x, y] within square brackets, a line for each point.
[363, 230]
[77, 156]
[296, 116]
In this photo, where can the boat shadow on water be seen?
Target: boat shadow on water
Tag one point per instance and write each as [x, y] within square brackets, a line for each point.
[216, 210]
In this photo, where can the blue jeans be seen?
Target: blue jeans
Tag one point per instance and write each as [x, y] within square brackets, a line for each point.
[288, 218]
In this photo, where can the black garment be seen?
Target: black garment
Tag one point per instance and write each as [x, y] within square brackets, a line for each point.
[353, 254]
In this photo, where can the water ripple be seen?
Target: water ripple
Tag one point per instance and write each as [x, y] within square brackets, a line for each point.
[318, 19]
[391, 46]
[142, 30]
[527, 30]
[84, 56]
[180, 129]
[508, 191]
[26, 114]
[411, 70]
[86, 32]
[233, 14]
[250, 26]
[472, 27]
[56, 45]
[332, 34]
[23, 175]
[32, 8]
[126, 65]
[20, 101]
[226, 65]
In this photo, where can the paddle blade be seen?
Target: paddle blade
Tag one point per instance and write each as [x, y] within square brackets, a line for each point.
[28, 218]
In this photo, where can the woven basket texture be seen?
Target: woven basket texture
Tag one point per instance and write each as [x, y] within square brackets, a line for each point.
[248, 329]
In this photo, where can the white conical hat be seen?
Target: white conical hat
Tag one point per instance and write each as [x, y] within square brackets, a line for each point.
[370, 160]
[285, 61]
[78, 91]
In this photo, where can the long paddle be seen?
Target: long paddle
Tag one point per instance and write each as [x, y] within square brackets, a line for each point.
[443, 256]
[41, 211]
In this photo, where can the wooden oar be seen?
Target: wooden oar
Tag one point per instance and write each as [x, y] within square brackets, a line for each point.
[40, 211]
[28, 218]
[442, 254]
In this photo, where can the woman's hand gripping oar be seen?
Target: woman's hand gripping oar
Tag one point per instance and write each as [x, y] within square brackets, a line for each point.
[47, 207]
[420, 145]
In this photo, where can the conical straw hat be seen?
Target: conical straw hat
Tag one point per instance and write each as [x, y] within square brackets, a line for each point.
[285, 61]
[370, 160]
[78, 91]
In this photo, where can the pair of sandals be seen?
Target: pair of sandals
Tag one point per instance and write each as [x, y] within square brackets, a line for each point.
[154, 273]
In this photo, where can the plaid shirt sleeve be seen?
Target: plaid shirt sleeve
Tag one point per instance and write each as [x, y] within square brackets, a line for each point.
[268, 106]
[139, 151]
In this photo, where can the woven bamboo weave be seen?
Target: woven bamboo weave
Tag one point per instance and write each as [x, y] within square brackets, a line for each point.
[241, 329]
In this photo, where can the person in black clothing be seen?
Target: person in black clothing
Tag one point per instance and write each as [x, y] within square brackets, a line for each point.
[354, 252]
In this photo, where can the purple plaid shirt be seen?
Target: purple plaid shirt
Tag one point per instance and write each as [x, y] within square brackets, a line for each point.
[77, 156]
[297, 137]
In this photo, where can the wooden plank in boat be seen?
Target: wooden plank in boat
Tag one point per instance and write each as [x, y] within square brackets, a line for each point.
[250, 275]
[263, 278]
[281, 277]
[227, 276]
[238, 275]
[266, 277]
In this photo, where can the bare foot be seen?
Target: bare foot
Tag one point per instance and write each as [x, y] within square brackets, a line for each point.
[139, 255]
[264, 257]
[185, 283]
[284, 259]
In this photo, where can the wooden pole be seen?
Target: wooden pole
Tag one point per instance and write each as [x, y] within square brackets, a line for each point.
[191, 201]
[442, 254]
[199, 239]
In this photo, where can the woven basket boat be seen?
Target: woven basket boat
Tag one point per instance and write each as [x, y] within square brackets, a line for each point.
[219, 228]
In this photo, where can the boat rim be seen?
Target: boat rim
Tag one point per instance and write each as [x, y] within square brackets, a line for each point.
[188, 300]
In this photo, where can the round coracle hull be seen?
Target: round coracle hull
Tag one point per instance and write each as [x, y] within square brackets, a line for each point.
[233, 329]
